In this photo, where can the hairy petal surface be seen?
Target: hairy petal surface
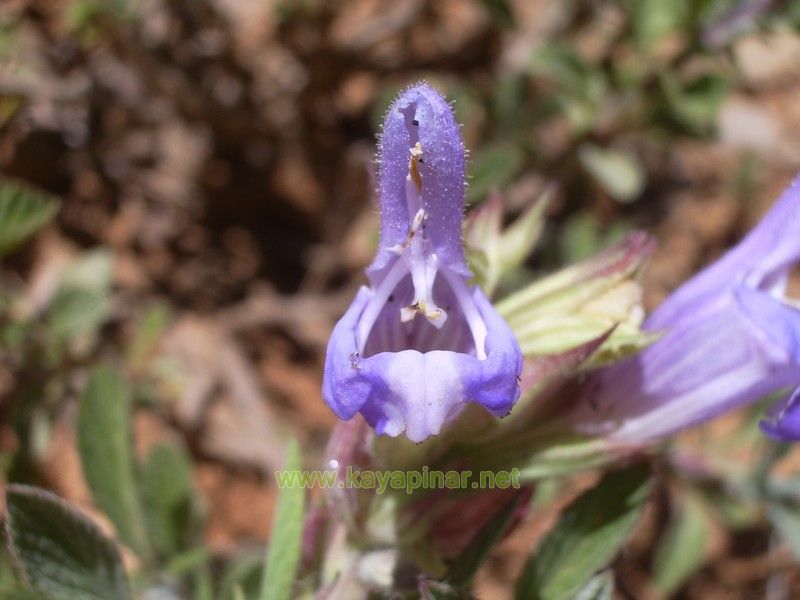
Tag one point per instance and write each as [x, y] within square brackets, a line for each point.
[442, 172]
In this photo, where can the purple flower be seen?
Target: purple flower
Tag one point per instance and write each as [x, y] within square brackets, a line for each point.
[782, 422]
[419, 343]
[731, 336]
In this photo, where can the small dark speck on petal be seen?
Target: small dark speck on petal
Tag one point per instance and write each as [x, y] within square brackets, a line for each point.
[415, 123]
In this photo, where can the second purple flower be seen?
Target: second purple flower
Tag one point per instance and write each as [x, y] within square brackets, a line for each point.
[731, 337]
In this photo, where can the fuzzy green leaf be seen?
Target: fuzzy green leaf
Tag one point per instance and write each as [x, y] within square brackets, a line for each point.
[60, 551]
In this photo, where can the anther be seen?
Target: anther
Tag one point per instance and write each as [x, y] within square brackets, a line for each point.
[435, 315]
[416, 225]
[413, 165]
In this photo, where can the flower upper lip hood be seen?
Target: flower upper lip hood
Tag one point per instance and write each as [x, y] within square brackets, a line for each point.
[731, 336]
[419, 343]
[421, 115]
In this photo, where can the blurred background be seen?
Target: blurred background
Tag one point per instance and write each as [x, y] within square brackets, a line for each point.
[213, 161]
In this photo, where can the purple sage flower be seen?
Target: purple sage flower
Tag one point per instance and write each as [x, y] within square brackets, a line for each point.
[731, 336]
[419, 343]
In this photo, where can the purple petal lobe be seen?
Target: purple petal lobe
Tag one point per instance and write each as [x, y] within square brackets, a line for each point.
[344, 388]
[494, 382]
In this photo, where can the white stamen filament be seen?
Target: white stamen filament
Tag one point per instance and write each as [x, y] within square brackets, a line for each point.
[473, 317]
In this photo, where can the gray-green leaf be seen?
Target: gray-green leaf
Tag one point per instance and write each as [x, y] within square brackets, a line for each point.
[22, 213]
[283, 553]
[619, 173]
[104, 444]
[682, 549]
[587, 536]
[60, 551]
[82, 302]
[654, 19]
[695, 104]
[168, 497]
[148, 330]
